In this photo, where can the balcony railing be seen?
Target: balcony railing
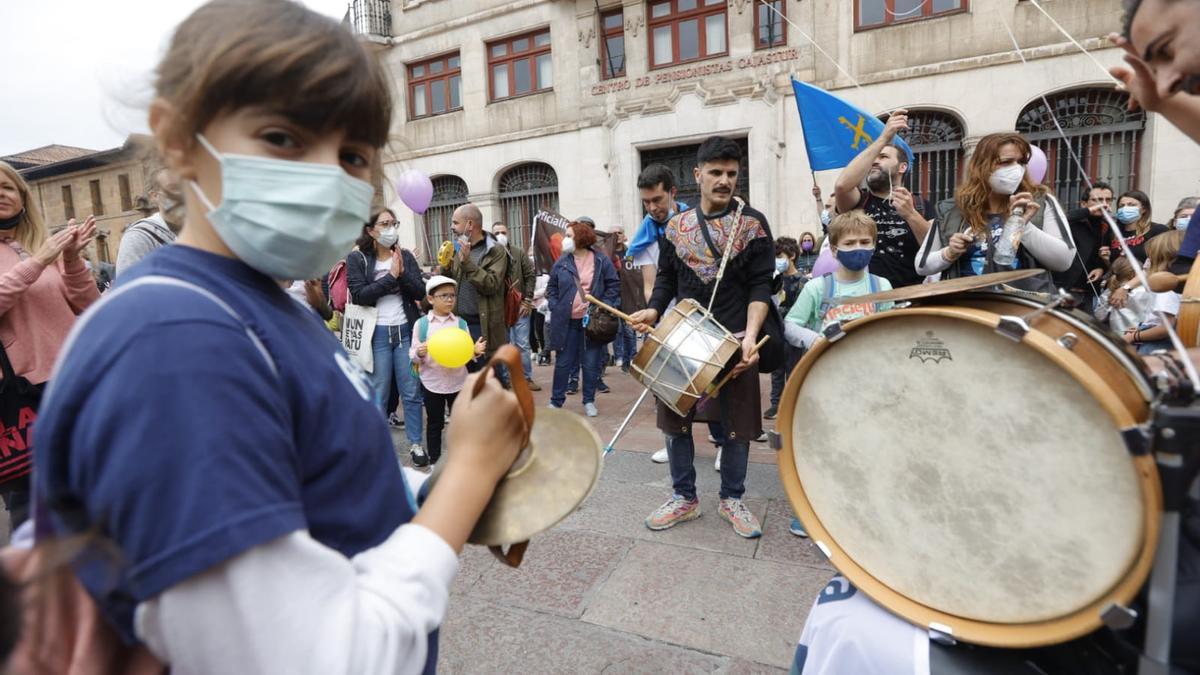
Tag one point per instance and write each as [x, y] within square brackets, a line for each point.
[371, 17]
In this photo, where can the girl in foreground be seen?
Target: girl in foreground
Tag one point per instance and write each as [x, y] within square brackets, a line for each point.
[213, 429]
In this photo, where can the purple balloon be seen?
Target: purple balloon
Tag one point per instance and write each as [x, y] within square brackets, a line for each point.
[825, 264]
[1037, 165]
[415, 190]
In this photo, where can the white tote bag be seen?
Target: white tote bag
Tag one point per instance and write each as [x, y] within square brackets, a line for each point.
[358, 327]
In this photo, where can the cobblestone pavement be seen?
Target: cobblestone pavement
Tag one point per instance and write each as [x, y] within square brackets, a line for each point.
[600, 593]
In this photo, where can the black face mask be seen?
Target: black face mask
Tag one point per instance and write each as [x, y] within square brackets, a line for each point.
[10, 223]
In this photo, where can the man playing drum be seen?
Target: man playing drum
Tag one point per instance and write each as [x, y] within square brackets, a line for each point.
[690, 255]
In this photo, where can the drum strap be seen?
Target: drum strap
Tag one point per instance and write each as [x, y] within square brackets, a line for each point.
[712, 247]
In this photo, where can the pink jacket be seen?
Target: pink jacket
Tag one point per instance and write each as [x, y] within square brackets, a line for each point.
[38, 306]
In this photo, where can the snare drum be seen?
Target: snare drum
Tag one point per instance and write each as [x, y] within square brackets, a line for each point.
[992, 489]
[683, 356]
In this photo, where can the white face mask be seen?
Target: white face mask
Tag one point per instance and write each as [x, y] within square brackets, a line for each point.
[568, 245]
[388, 237]
[288, 220]
[502, 239]
[1182, 223]
[1007, 179]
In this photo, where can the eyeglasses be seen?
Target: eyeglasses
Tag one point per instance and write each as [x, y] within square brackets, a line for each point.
[445, 296]
[385, 223]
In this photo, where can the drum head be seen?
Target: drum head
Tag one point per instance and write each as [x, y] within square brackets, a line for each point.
[966, 480]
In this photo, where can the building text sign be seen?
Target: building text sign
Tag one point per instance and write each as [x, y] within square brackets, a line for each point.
[694, 72]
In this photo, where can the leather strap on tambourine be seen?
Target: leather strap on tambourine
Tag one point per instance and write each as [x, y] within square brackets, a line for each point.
[510, 357]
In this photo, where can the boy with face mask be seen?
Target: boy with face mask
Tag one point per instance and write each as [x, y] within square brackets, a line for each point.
[852, 237]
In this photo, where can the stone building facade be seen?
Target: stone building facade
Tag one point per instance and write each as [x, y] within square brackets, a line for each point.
[75, 183]
[528, 104]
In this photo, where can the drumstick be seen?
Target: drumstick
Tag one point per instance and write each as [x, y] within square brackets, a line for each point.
[609, 308]
[729, 375]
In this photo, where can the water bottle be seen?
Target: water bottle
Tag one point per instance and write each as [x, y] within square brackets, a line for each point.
[1010, 239]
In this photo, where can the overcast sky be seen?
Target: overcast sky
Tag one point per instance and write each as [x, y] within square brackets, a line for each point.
[77, 72]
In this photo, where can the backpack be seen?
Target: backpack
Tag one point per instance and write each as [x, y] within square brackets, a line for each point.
[423, 336]
[339, 291]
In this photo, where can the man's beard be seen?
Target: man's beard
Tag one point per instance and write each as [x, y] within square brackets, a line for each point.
[878, 180]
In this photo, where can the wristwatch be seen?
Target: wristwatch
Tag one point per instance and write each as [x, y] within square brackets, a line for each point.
[1126, 287]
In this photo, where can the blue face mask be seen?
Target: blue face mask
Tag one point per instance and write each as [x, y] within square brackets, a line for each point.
[1128, 214]
[825, 217]
[288, 220]
[855, 259]
[1182, 223]
[781, 265]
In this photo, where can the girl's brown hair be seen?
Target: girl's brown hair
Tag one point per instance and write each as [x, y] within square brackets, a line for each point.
[1122, 272]
[974, 195]
[585, 235]
[230, 54]
[1161, 250]
[31, 232]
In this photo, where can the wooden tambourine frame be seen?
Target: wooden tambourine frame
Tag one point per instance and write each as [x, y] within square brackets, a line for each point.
[1019, 635]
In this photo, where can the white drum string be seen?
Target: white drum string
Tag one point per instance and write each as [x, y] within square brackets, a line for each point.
[816, 46]
[1075, 42]
[910, 12]
[737, 230]
[1176, 343]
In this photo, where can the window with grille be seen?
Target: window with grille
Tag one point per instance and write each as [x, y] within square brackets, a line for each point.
[97, 200]
[520, 65]
[612, 44]
[449, 193]
[525, 190]
[435, 86]
[686, 30]
[681, 159]
[876, 13]
[770, 28]
[936, 141]
[1100, 130]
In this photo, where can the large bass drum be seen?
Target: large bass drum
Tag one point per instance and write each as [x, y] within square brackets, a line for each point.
[988, 484]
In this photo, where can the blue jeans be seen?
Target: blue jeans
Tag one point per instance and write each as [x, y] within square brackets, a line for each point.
[625, 347]
[735, 456]
[578, 348]
[390, 345]
[518, 335]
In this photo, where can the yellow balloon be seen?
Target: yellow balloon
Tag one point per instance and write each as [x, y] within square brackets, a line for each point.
[451, 347]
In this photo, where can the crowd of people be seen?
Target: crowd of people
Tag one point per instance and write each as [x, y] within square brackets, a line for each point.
[207, 414]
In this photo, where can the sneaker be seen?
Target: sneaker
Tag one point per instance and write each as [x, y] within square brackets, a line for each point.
[620, 363]
[762, 437]
[797, 528]
[771, 413]
[418, 455]
[660, 456]
[744, 522]
[717, 462]
[590, 409]
[572, 389]
[603, 388]
[711, 439]
[533, 386]
[625, 369]
[674, 511]
[395, 420]
[556, 407]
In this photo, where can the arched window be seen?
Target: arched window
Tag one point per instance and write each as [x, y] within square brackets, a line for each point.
[936, 141]
[1101, 130]
[525, 190]
[449, 193]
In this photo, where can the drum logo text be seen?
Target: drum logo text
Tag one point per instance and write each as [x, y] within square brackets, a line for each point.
[929, 348]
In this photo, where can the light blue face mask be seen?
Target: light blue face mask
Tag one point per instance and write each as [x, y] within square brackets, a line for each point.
[288, 220]
[1128, 214]
[1182, 223]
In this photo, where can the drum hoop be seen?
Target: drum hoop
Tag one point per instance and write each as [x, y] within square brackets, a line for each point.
[1020, 635]
[1132, 362]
